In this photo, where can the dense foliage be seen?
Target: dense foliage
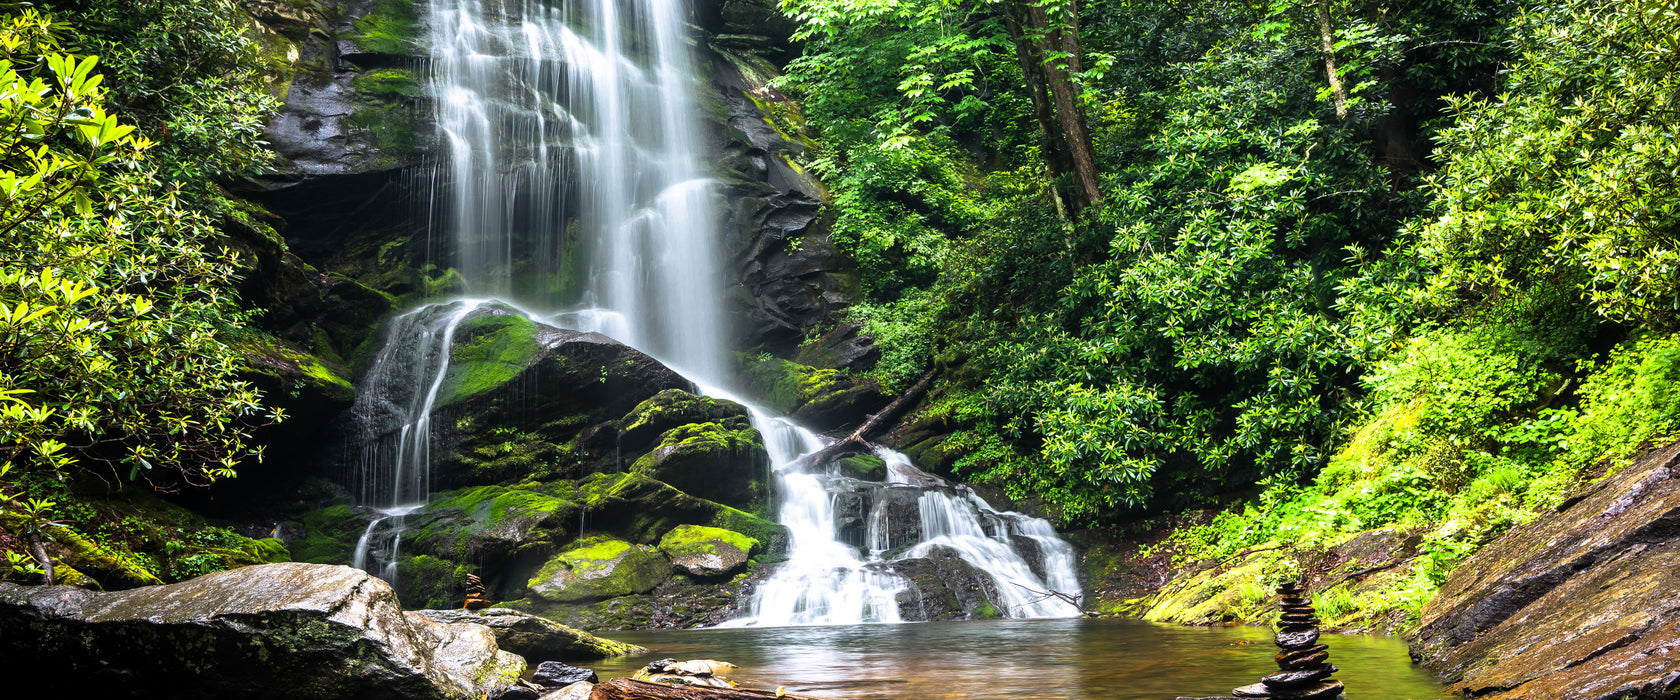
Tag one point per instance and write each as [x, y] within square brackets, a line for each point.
[116, 302]
[1371, 260]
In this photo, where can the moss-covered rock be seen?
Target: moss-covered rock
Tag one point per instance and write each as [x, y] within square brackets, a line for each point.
[536, 638]
[712, 461]
[706, 551]
[641, 509]
[495, 529]
[866, 467]
[390, 27]
[642, 427]
[527, 401]
[600, 567]
[328, 535]
[825, 399]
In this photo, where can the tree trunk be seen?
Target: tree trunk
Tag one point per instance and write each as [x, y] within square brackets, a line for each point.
[1327, 40]
[38, 549]
[874, 422]
[1027, 56]
[1059, 80]
[627, 689]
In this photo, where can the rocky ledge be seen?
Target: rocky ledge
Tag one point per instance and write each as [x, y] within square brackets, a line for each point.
[269, 631]
[1583, 603]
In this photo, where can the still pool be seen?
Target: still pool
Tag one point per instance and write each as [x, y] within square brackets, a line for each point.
[1018, 659]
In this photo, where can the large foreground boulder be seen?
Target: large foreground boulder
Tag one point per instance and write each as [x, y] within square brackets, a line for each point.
[1581, 603]
[271, 631]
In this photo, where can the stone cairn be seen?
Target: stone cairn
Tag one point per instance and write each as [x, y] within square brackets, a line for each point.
[1304, 663]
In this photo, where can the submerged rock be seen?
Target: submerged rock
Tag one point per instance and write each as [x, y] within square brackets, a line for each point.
[536, 638]
[269, 631]
[1580, 603]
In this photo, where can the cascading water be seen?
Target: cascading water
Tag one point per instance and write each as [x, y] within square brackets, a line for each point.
[572, 175]
[393, 413]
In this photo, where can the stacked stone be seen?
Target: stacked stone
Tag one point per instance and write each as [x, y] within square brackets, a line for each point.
[1304, 663]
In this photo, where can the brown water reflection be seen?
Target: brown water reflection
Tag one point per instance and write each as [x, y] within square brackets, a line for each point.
[1018, 659]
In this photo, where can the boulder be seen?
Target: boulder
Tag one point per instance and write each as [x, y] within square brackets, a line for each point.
[642, 427]
[575, 691]
[823, 399]
[1580, 603]
[706, 551]
[287, 630]
[600, 567]
[642, 509]
[862, 466]
[536, 638]
[944, 587]
[713, 461]
[554, 675]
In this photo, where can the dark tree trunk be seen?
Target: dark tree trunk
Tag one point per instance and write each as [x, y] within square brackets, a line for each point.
[1058, 37]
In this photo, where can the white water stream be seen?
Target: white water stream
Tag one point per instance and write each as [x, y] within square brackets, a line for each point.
[570, 133]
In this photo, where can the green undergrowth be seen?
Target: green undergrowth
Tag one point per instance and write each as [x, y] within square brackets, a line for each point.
[134, 538]
[1466, 437]
[390, 27]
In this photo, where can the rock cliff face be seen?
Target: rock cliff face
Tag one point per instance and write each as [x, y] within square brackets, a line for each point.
[1583, 603]
[268, 631]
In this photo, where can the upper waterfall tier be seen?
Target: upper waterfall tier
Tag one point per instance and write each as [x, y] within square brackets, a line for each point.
[575, 165]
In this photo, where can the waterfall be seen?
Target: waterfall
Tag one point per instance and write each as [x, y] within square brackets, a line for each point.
[572, 175]
[393, 414]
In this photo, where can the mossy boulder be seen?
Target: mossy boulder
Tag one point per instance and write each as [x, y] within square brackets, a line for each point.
[865, 467]
[824, 399]
[714, 462]
[524, 400]
[706, 551]
[328, 535]
[538, 639]
[642, 427]
[600, 567]
[641, 509]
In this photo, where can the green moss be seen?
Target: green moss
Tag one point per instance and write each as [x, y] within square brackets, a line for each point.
[395, 129]
[429, 582]
[489, 351]
[330, 535]
[600, 567]
[987, 611]
[269, 356]
[390, 27]
[698, 539]
[866, 467]
[390, 84]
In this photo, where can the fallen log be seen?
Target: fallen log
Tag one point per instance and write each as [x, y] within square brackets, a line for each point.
[856, 439]
[627, 689]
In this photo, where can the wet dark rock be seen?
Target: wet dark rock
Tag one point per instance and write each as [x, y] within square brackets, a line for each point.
[269, 631]
[1305, 662]
[556, 675]
[899, 515]
[845, 347]
[944, 587]
[1295, 679]
[1580, 603]
[1297, 654]
[518, 692]
[538, 639]
[1297, 640]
